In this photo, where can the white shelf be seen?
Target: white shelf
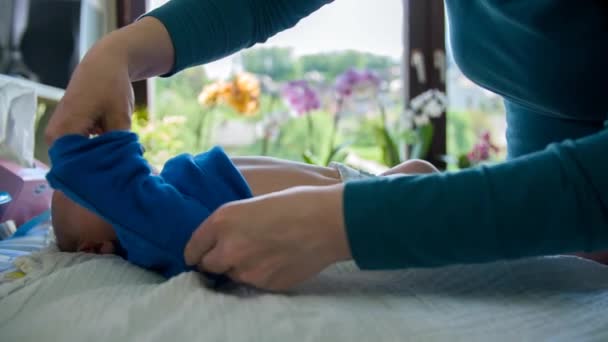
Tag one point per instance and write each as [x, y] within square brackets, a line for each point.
[43, 92]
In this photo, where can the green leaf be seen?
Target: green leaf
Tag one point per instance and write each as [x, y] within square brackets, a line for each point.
[141, 116]
[464, 162]
[309, 158]
[340, 157]
[409, 137]
[332, 155]
[425, 138]
[390, 150]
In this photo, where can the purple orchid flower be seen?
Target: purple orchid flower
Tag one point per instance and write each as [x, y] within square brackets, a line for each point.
[301, 97]
[482, 150]
[351, 79]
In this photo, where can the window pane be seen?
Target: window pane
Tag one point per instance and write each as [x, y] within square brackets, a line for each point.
[345, 34]
[355, 34]
[472, 112]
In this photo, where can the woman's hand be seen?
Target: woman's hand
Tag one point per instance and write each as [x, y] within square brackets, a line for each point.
[275, 241]
[99, 97]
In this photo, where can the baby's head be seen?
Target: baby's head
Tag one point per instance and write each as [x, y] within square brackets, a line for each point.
[79, 230]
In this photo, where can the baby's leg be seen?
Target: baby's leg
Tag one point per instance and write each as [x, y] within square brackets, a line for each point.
[266, 175]
[249, 162]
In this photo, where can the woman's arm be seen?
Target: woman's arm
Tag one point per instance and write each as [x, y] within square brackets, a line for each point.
[99, 97]
[551, 202]
[205, 30]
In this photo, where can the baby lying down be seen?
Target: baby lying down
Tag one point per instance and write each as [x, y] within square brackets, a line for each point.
[109, 201]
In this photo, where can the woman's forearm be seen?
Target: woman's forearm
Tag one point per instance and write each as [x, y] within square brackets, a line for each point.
[186, 33]
[550, 202]
[99, 97]
[202, 31]
[144, 47]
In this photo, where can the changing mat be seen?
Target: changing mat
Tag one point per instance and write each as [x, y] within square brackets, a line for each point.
[77, 297]
[31, 237]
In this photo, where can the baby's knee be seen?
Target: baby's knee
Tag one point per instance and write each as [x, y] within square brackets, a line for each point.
[421, 166]
[414, 166]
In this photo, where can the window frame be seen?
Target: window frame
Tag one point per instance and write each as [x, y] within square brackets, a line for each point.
[424, 34]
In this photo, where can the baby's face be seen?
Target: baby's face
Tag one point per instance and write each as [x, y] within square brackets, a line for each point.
[78, 229]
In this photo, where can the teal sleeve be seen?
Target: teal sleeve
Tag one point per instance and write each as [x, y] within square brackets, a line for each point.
[550, 202]
[206, 30]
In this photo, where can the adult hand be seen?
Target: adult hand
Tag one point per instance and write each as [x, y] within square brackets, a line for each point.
[275, 241]
[99, 97]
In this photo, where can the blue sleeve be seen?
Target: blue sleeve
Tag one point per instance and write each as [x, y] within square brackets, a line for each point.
[206, 30]
[154, 216]
[546, 203]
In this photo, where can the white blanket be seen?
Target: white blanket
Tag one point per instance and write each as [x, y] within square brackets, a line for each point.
[75, 297]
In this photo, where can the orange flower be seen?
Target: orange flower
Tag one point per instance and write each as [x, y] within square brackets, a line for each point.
[245, 94]
[242, 94]
[247, 83]
[212, 94]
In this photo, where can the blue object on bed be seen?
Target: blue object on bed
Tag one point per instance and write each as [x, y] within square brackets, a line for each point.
[32, 227]
[154, 216]
[5, 198]
[31, 237]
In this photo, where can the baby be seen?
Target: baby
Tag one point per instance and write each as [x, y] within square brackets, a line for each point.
[109, 201]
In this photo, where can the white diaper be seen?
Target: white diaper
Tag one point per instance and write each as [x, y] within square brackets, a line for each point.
[348, 173]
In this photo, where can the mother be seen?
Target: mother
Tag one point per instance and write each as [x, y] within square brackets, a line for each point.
[547, 58]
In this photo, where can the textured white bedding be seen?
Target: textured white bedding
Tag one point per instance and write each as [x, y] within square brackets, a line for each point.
[75, 297]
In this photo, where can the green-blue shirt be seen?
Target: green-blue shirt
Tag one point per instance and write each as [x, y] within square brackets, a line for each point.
[548, 58]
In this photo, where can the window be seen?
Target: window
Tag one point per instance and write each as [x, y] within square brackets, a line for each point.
[367, 130]
[472, 113]
[318, 50]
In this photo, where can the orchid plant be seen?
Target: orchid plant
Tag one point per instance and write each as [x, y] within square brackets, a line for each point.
[353, 90]
[482, 152]
[410, 139]
[302, 100]
[420, 111]
[242, 94]
[159, 137]
[353, 84]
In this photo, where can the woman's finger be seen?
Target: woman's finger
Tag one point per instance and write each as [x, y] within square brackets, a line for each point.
[202, 241]
[214, 262]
